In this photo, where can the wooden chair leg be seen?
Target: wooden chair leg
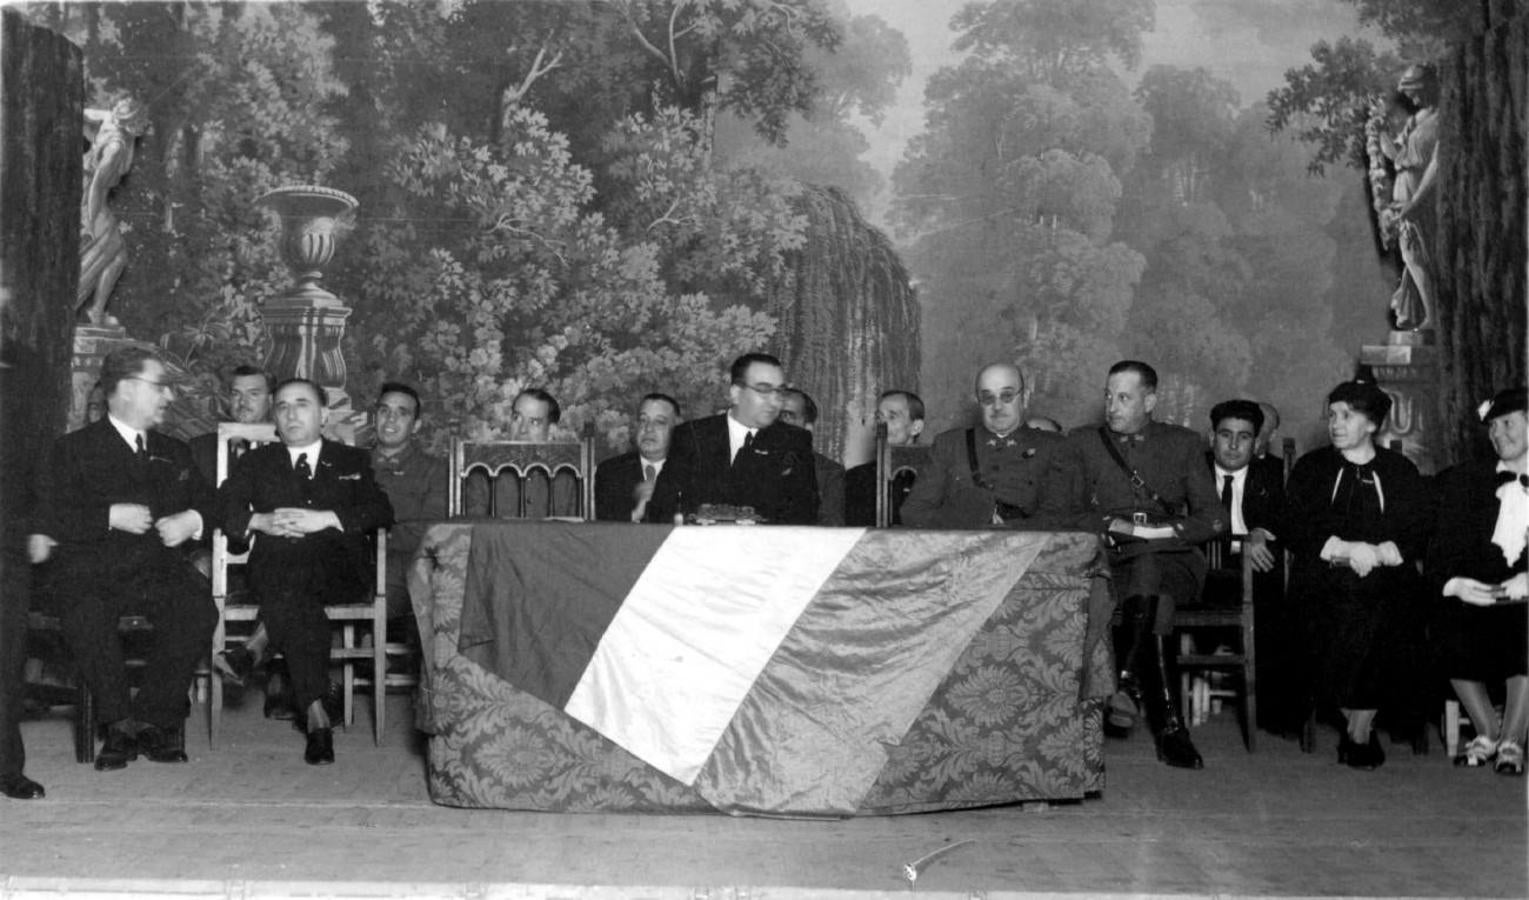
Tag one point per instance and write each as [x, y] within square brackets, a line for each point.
[1249, 704]
[348, 675]
[379, 671]
[85, 726]
[1452, 727]
[1309, 733]
[214, 706]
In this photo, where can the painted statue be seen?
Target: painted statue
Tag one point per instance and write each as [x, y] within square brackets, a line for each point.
[103, 252]
[1408, 221]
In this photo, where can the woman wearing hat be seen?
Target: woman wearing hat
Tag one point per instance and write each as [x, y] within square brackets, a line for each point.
[1358, 519]
[1478, 565]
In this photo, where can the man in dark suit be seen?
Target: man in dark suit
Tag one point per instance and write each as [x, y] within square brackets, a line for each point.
[1252, 492]
[624, 484]
[986, 475]
[742, 457]
[249, 402]
[313, 503]
[798, 408]
[902, 412]
[125, 503]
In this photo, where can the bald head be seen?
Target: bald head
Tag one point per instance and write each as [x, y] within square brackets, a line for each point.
[1001, 394]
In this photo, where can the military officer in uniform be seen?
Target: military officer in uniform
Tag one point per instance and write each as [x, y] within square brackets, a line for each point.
[988, 475]
[1144, 485]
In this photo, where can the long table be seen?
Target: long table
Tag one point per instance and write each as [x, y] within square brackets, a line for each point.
[758, 670]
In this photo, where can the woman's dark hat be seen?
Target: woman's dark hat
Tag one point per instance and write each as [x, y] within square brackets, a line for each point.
[1363, 396]
[1509, 401]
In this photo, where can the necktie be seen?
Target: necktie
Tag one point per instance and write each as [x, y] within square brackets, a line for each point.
[1226, 492]
[748, 441]
[647, 473]
[142, 452]
[302, 469]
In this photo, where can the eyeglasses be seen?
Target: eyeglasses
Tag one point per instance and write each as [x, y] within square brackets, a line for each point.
[764, 390]
[161, 385]
[987, 398]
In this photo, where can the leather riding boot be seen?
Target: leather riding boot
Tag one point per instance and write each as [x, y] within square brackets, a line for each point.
[1173, 744]
[1124, 707]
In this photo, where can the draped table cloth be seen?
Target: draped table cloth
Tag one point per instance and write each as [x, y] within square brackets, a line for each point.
[758, 670]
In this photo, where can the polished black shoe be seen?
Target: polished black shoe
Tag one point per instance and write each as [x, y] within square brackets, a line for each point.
[235, 665]
[120, 749]
[20, 787]
[1176, 749]
[163, 745]
[320, 749]
[1361, 756]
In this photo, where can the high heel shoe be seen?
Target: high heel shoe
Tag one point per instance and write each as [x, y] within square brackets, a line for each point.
[1478, 753]
[1510, 758]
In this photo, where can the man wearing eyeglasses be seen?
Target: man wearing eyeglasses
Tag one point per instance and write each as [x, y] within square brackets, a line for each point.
[988, 475]
[125, 504]
[743, 457]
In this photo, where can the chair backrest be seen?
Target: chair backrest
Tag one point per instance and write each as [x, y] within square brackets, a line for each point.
[892, 461]
[520, 460]
[228, 434]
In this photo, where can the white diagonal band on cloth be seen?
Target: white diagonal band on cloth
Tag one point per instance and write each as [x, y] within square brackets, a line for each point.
[678, 658]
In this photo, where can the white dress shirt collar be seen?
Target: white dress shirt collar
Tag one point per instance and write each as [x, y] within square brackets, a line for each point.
[1239, 489]
[129, 433]
[736, 431]
[313, 454]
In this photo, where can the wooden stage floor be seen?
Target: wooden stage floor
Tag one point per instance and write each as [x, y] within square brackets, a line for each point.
[249, 819]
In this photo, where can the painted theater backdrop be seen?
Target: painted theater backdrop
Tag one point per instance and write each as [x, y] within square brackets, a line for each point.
[610, 198]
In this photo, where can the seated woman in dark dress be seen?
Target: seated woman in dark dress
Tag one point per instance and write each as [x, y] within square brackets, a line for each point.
[1478, 565]
[1357, 522]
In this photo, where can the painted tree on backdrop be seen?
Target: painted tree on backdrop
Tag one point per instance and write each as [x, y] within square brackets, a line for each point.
[1170, 215]
[1327, 101]
[1237, 293]
[239, 98]
[603, 261]
[858, 81]
[1008, 198]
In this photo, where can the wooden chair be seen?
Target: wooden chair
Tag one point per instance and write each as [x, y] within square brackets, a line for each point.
[350, 651]
[892, 462]
[520, 460]
[1226, 621]
[46, 642]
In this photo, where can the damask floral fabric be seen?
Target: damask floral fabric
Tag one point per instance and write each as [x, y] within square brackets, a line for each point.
[1017, 718]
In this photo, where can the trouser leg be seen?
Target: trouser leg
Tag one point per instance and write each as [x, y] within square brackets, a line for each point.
[89, 624]
[300, 631]
[180, 607]
[13, 653]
